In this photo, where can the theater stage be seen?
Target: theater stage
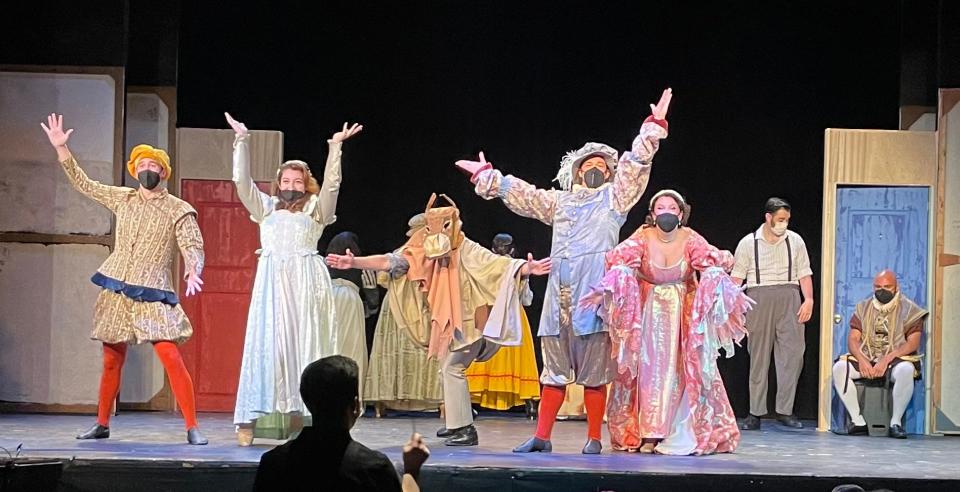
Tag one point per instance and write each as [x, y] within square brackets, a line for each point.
[147, 451]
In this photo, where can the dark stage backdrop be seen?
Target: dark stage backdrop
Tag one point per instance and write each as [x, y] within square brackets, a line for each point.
[755, 85]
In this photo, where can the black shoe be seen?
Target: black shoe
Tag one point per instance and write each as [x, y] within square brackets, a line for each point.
[96, 432]
[464, 436]
[752, 422]
[592, 446]
[790, 421]
[195, 437]
[857, 430]
[896, 431]
[533, 445]
[444, 432]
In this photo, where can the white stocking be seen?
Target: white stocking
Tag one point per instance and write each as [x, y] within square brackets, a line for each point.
[848, 397]
[902, 377]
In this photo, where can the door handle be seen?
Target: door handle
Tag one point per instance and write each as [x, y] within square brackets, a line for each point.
[837, 319]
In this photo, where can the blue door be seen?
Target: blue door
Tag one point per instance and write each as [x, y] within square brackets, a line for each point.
[877, 228]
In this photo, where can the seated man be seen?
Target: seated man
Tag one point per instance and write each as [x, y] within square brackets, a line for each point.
[885, 333]
[324, 456]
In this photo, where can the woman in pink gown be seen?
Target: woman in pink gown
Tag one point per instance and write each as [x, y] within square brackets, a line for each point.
[667, 328]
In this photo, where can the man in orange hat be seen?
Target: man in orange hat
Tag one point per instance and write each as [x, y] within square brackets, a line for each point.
[138, 303]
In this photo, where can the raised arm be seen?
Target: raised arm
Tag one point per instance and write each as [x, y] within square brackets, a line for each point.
[106, 195]
[519, 196]
[633, 170]
[255, 201]
[326, 211]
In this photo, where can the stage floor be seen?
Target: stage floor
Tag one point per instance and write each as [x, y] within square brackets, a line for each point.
[771, 454]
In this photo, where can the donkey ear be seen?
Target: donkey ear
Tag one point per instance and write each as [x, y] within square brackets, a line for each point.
[449, 200]
[433, 198]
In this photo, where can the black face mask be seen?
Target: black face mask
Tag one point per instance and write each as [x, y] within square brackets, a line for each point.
[148, 179]
[667, 222]
[594, 178]
[291, 195]
[883, 295]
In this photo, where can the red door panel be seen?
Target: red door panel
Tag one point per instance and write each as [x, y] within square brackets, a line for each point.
[219, 312]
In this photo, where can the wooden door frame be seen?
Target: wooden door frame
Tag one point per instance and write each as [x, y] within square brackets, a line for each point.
[949, 99]
[873, 158]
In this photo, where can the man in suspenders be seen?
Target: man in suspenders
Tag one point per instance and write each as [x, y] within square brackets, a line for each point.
[775, 265]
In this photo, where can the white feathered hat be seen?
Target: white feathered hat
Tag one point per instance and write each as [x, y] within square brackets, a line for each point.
[571, 162]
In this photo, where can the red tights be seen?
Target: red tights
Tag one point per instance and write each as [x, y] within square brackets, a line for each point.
[113, 357]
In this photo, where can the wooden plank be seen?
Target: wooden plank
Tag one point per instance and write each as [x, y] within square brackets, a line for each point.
[881, 157]
[204, 153]
[18, 407]
[42, 238]
[948, 101]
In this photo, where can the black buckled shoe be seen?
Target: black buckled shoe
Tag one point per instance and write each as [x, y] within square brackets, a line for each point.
[592, 446]
[195, 437]
[534, 445]
[857, 430]
[752, 422]
[464, 436]
[896, 431]
[444, 432]
[96, 432]
[790, 421]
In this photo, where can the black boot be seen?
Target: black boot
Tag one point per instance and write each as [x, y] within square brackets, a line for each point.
[533, 445]
[195, 437]
[464, 436]
[592, 446]
[444, 432]
[96, 432]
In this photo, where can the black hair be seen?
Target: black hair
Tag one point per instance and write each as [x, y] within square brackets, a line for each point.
[329, 386]
[775, 204]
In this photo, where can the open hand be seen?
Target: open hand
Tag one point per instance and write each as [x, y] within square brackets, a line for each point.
[54, 130]
[346, 133]
[193, 284]
[474, 167]
[537, 267]
[340, 262]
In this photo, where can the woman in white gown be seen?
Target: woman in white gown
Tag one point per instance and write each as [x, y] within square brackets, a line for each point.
[291, 318]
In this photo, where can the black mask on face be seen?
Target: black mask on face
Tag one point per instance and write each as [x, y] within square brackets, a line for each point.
[593, 178]
[148, 179]
[291, 195]
[883, 295]
[667, 222]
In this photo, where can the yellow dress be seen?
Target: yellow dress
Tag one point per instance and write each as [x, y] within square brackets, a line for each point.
[509, 378]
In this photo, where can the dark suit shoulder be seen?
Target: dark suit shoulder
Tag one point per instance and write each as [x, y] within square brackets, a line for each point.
[372, 467]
